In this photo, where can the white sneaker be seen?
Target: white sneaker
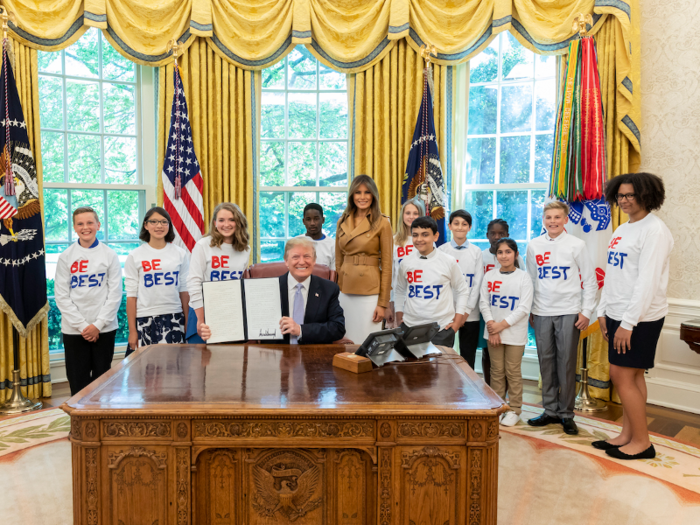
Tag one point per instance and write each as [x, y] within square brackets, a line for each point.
[510, 419]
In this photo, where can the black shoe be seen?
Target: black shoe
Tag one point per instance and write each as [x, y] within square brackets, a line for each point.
[569, 426]
[604, 445]
[543, 420]
[616, 453]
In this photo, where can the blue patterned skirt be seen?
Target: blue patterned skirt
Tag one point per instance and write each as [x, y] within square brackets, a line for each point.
[161, 329]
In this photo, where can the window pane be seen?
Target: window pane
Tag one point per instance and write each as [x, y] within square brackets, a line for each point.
[54, 250]
[480, 205]
[124, 248]
[50, 62]
[120, 160]
[332, 164]
[302, 115]
[272, 115]
[482, 245]
[84, 158]
[481, 161]
[115, 66]
[545, 66]
[122, 335]
[536, 207]
[51, 102]
[333, 116]
[302, 164]
[83, 105]
[52, 156]
[482, 110]
[517, 61]
[516, 108]
[515, 159]
[484, 66]
[123, 215]
[297, 202]
[543, 157]
[92, 198]
[82, 57]
[512, 207]
[272, 163]
[545, 94]
[272, 214]
[56, 216]
[301, 73]
[333, 207]
[273, 76]
[271, 251]
[330, 79]
[54, 320]
[119, 109]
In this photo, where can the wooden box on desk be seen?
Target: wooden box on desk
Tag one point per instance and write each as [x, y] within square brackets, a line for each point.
[352, 362]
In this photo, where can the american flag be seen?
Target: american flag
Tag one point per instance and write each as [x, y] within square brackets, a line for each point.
[182, 178]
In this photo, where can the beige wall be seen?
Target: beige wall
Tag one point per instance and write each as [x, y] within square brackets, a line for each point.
[671, 128]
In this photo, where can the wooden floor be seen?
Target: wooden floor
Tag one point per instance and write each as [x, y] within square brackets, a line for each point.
[665, 421]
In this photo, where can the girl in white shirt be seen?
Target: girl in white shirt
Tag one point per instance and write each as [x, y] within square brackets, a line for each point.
[155, 275]
[403, 247]
[505, 302]
[221, 255]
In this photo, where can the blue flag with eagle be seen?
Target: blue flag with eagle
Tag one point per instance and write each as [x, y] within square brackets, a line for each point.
[22, 269]
[424, 177]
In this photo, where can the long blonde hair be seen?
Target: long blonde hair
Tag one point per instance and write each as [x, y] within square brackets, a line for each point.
[403, 232]
[374, 211]
[240, 236]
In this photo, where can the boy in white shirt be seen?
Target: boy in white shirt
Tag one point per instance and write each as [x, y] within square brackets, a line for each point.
[88, 290]
[559, 265]
[430, 286]
[325, 246]
[470, 263]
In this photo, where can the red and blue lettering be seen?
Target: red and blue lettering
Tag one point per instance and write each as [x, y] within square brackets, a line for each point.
[422, 291]
[84, 279]
[153, 277]
[616, 258]
[548, 271]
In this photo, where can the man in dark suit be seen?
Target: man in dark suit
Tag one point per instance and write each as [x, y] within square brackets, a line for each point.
[311, 313]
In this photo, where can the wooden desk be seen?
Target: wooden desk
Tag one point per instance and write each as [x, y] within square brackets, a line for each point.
[263, 434]
[690, 333]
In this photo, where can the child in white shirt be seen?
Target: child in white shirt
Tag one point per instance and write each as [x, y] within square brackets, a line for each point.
[221, 255]
[155, 274]
[559, 266]
[470, 263]
[88, 290]
[430, 286]
[505, 301]
[325, 245]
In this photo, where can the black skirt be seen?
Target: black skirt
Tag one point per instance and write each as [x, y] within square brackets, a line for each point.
[643, 344]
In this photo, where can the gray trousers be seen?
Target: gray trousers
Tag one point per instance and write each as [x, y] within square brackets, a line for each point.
[557, 344]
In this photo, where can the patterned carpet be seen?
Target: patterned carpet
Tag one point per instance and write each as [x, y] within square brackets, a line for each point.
[545, 476]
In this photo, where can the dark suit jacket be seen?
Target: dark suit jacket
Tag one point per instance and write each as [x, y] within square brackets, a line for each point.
[324, 321]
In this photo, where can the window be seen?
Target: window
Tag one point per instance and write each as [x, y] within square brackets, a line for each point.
[304, 148]
[512, 99]
[91, 152]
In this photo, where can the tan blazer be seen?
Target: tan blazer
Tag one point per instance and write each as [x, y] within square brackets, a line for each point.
[363, 258]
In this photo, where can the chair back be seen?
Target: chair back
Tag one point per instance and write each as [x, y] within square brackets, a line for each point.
[275, 269]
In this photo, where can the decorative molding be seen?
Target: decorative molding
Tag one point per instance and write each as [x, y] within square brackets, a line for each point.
[182, 430]
[161, 460]
[183, 484]
[475, 482]
[493, 430]
[283, 429]
[75, 428]
[91, 430]
[408, 459]
[431, 429]
[91, 480]
[136, 429]
[385, 430]
[475, 429]
[385, 486]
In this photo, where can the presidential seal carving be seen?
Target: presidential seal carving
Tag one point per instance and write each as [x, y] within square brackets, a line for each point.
[287, 484]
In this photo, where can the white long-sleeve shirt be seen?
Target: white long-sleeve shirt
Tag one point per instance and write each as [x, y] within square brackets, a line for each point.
[507, 296]
[491, 263]
[156, 278]
[325, 250]
[88, 288]
[559, 268]
[430, 289]
[213, 264]
[470, 262]
[399, 253]
[636, 275]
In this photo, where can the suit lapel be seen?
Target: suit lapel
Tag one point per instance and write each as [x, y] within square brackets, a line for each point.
[284, 295]
[313, 300]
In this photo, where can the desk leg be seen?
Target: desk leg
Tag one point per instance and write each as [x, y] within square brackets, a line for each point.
[182, 485]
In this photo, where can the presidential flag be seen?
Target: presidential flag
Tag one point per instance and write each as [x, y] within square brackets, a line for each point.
[22, 268]
[182, 178]
[423, 171]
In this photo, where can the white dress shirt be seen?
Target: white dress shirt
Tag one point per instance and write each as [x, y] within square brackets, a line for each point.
[292, 292]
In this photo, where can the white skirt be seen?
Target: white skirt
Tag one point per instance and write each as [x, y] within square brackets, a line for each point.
[358, 311]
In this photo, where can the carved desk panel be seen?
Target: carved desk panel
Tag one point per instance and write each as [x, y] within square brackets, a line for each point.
[263, 434]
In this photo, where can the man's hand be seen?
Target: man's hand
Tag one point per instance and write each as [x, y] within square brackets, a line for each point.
[288, 326]
[457, 322]
[603, 328]
[90, 333]
[582, 322]
[496, 327]
[495, 339]
[204, 331]
[622, 341]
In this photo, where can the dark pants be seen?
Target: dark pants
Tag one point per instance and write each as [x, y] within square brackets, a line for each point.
[468, 341]
[86, 361]
[442, 338]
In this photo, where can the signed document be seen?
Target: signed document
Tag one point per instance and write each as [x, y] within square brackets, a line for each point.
[223, 311]
[263, 309]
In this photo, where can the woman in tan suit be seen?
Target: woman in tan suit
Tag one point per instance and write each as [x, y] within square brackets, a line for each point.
[363, 257]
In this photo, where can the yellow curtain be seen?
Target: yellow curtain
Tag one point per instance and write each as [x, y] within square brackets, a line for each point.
[383, 102]
[34, 350]
[223, 106]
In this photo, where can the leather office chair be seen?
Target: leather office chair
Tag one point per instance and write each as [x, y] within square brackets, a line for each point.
[275, 269]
